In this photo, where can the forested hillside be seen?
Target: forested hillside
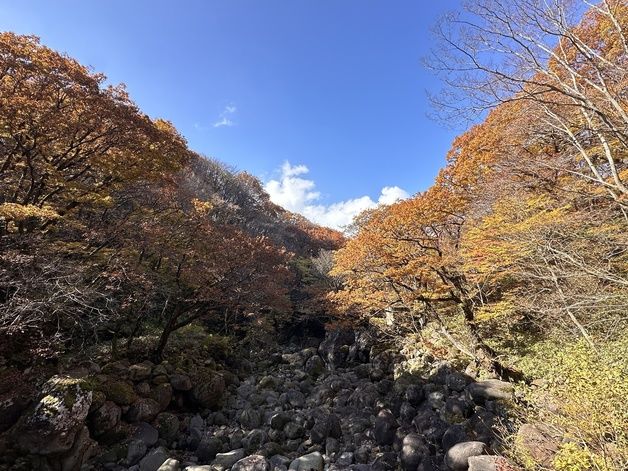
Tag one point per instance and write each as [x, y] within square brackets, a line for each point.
[517, 256]
[109, 222]
[159, 312]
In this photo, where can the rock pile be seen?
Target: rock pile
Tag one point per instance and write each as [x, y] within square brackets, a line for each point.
[335, 407]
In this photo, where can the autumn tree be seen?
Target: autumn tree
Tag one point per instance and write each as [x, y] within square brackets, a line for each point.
[67, 138]
[567, 70]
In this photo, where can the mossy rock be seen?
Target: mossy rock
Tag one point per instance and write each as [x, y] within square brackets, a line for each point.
[51, 424]
[115, 390]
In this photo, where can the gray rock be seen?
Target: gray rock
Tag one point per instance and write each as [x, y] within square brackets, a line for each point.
[279, 420]
[105, 418]
[457, 381]
[168, 426]
[325, 426]
[154, 459]
[453, 435]
[345, 459]
[415, 394]
[385, 427]
[254, 440]
[136, 451]
[180, 382]
[293, 430]
[314, 366]
[197, 422]
[362, 454]
[310, 462]
[268, 382]
[251, 463]
[146, 433]
[490, 389]
[208, 392]
[208, 449]
[457, 457]
[413, 449]
[456, 409]
[250, 418]
[143, 410]
[204, 467]
[82, 449]
[295, 398]
[334, 349]
[169, 465]
[162, 394]
[140, 371]
[332, 447]
[279, 462]
[407, 412]
[227, 460]
[436, 399]
[488, 463]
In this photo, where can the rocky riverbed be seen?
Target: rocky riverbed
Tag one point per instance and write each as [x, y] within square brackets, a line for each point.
[336, 404]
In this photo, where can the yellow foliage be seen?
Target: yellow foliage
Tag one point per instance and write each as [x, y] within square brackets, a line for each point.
[589, 390]
[22, 212]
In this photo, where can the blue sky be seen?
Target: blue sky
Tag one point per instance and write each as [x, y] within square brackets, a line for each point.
[330, 91]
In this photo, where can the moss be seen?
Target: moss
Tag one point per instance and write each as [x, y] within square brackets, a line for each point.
[118, 391]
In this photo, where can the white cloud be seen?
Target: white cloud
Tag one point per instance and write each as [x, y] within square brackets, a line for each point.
[225, 118]
[298, 194]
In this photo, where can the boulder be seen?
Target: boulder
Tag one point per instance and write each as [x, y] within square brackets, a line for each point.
[488, 463]
[251, 463]
[136, 451]
[490, 389]
[314, 366]
[227, 460]
[295, 398]
[105, 418]
[208, 449]
[453, 435]
[140, 371]
[162, 394]
[293, 430]
[345, 459]
[413, 448]
[385, 427]
[208, 390]
[82, 449]
[254, 440]
[52, 423]
[250, 418]
[310, 462]
[118, 391]
[326, 426]
[279, 420]
[334, 349]
[143, 410]
[154, 459]
[169, 465]
[457, 457]
[268, 382]
[146, 433]
[180, 382]
[168, 426]
[279, 463]
[457, 381]
[415, 394]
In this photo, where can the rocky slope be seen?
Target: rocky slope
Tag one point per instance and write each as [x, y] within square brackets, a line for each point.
[336, 404]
